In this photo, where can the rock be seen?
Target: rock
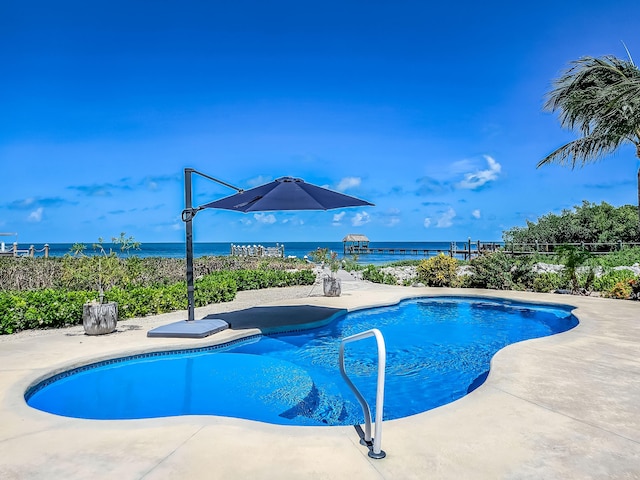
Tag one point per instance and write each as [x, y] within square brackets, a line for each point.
[546, 268]
[635, 268]
[464, 270]
[402, 274]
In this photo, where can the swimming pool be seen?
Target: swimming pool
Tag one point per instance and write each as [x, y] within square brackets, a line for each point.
[438, 350]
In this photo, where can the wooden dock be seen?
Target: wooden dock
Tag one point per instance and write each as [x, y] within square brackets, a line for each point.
[469, 251]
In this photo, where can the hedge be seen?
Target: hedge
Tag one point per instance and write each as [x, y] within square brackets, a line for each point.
[52, 308]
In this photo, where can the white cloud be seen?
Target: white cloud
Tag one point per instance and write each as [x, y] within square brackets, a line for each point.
[475, 213]
[295, 221]
[267, 218]
[476, 180]
[392, 221]
[446, 219]
[347, 183]
[360, 219]
[259, 180]
[246, 222]
[337, 217]
[36, 215]
[427, 222]
[461, 166]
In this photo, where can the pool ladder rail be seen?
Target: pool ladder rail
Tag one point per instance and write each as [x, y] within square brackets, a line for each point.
[374, 444]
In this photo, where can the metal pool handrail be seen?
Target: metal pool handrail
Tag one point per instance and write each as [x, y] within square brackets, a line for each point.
[375, 447]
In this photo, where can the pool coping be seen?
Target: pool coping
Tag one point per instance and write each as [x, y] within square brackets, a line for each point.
[570, 422]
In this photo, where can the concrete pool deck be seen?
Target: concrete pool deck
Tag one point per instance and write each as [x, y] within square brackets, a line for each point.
[559, 407]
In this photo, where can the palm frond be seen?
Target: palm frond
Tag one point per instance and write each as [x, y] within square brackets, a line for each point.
[599, 98]
[584, 150]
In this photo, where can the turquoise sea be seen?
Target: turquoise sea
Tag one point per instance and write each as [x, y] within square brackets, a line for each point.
[294, 249]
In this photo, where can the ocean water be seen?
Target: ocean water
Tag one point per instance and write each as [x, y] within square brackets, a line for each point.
[293, 249]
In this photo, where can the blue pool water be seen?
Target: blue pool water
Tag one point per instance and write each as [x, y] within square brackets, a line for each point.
[438, 350]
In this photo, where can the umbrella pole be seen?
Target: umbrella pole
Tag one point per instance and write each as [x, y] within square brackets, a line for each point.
[190, 328]
[188, 225]
[187, 217]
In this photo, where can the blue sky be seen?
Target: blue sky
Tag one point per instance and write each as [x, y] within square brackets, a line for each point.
[433, 112]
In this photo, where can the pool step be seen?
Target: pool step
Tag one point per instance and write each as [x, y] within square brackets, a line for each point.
[324, 408]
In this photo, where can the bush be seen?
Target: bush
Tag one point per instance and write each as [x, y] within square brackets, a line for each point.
[573, 257]
[492, 271]
[375, 275]
[607, 282]
[78, 273]
[438, 271]
[621, 290]
[41, 309]
[256, 279]
[51, 308]
[351, 264]
[404, 263]
[547, 282]
[622, 258]
[587, 223]
[25, 273]
[500, 271]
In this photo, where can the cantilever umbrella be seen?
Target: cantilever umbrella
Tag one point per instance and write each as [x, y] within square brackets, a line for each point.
[286, 193]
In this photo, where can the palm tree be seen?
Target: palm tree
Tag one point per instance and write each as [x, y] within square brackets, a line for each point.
[599, 98]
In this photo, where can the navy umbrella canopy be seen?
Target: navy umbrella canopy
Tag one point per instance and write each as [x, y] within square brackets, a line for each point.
[286, 193]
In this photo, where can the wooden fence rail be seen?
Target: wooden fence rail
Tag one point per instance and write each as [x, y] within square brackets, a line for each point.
[14, 251]
[468, 250]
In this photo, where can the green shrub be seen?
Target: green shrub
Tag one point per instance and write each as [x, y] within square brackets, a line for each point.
[465, 281]
[351, 264]
[51, 308]
[256, 279]
[375, 275]
[522, 273]
[621, 290]
[215, 288]
[12, 308]
[606, 282]
[547, 282]
[78, 273]
[41, 309]
[621, 258]
[500, 271]
[573, 257]
[438, 271]
[404, 263]
[492, 270]
[588, 223]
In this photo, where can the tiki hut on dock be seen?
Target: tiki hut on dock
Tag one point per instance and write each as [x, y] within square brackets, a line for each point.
[354, 244]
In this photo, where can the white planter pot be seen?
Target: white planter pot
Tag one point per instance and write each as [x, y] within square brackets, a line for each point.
[99, 318]
[332, 287]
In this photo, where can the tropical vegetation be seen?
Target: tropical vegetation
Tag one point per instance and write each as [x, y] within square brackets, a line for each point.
[50, 292]
[586, 223]
[598, 98]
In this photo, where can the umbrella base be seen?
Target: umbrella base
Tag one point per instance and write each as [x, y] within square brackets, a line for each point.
[190, 329]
